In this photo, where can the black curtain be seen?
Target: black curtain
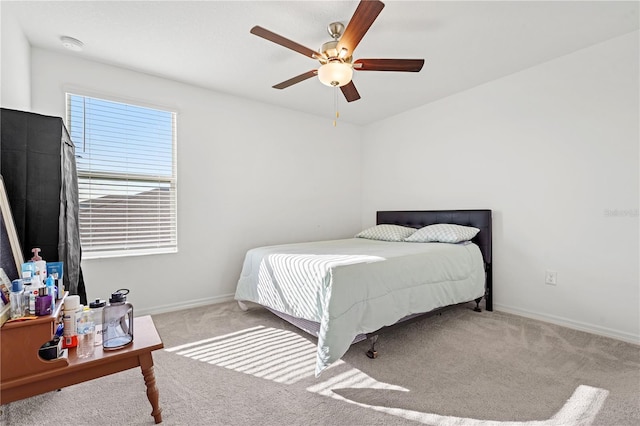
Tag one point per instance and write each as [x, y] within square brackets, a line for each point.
[37, 163]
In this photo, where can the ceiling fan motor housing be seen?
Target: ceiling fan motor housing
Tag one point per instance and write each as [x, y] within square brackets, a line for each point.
[335, 30]
[330, 53]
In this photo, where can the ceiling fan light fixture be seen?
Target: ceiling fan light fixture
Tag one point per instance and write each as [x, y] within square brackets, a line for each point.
[335, 74]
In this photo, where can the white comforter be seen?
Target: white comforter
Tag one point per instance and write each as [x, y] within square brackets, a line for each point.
[356, 285]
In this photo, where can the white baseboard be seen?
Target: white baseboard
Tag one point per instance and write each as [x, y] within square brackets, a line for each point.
[185, 305]
[575, 325]
[565, 322]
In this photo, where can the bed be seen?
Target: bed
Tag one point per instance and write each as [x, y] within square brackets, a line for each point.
[344, 290]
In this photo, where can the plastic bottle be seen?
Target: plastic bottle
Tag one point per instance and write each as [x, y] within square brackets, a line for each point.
[17, 299]
[27, 273]
[33, 294]
[55, 270]
[72, 308]
[41, 265]
[97, 306]
[86, 334]
[117, 321]
[26, 290]
[51, 291]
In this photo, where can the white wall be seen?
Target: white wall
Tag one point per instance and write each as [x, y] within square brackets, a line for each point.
[249, 174]
[553, 150]
[15, 65]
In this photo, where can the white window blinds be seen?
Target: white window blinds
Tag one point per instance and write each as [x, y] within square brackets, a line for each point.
[126, 161]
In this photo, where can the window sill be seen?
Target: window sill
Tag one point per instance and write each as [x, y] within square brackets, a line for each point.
[127, 253]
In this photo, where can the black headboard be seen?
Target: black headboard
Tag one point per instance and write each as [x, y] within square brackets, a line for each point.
[480, 219]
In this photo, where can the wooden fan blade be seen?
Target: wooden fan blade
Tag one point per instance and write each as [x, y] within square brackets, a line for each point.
[296, 79]
[366, 12]
[285, 42]
[350, 92]
[407, 65]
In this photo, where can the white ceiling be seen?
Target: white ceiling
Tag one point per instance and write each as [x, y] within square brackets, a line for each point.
[208, 44]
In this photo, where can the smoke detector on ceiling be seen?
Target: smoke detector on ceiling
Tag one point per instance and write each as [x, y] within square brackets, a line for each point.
[71, 43]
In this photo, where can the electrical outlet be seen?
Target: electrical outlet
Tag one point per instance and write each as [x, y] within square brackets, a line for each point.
[551, 277]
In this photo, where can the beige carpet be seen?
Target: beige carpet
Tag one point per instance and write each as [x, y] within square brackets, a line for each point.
[222, 366]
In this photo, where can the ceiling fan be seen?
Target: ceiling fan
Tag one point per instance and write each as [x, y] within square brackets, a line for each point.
[336, 56]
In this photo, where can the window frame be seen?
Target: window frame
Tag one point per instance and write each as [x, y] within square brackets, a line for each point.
[171, 181]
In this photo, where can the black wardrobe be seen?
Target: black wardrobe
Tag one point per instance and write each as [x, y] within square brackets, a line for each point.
[37, 164]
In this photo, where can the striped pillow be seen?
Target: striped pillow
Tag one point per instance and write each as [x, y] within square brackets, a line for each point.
[386, 233]
[443, 233]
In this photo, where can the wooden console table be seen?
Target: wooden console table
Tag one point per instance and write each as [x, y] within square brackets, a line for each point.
[25, 374]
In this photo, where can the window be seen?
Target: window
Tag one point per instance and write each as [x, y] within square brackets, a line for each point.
[126, 161]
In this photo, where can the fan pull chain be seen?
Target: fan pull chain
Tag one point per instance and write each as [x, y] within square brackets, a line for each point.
[335, 106]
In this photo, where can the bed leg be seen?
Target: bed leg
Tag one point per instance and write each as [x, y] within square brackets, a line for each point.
[243, 306]
[477, 308]
[372, 353]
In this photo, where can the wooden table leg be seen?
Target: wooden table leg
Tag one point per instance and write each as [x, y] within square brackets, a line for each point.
[146, 364]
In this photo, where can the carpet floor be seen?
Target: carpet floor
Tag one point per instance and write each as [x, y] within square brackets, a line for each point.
[223, 366]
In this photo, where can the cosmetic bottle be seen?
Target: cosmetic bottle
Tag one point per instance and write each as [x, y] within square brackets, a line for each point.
[43, 302]
[26, 292]
[56, 271]
[17, 299]
[27, 272]
[33, 294]
[51, 291]
[41, 265]
[72, 308]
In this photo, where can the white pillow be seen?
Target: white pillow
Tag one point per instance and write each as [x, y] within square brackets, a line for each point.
[386, 233]
[443, 233]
